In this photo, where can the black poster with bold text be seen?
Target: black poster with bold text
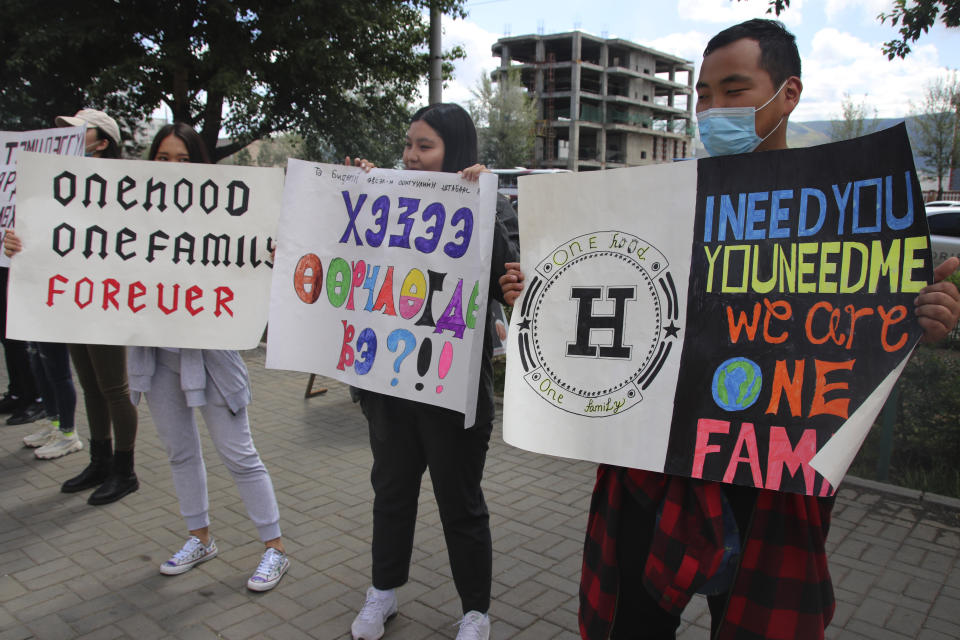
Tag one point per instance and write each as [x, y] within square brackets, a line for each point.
[805, 267]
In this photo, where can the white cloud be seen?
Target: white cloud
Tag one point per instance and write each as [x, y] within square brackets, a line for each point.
[734, 11]
[689, 44]
[868, 9]
[477, 42]
[840, 63]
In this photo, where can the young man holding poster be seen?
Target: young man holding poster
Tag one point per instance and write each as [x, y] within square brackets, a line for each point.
[675, 530]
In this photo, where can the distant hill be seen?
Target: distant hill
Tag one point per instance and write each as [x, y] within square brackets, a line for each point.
[809, 134]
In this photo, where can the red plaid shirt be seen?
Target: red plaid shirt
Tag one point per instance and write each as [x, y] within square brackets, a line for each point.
[782, 590]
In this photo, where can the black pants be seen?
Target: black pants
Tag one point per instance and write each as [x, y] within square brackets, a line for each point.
[22, 383]
[407, 438]
[102, 371]
[638, 616]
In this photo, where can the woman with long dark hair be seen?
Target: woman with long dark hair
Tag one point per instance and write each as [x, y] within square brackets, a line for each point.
[408, 437]
[175, 382]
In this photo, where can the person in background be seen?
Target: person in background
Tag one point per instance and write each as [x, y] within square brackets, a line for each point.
[408, 437]
[101, 370]
[175, 381]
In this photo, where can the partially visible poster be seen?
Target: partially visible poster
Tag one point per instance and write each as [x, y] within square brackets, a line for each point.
[737, 319]
[64, 141]
[381, 280]
[142, 253]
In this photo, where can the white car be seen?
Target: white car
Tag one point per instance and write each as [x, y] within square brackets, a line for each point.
[943, 218]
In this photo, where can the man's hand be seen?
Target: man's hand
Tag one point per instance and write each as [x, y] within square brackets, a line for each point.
[938, 305]
[511, 283]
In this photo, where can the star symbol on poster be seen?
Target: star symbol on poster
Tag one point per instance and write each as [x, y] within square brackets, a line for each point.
[672, 330]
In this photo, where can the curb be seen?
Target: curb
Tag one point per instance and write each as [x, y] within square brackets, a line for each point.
[904, 492]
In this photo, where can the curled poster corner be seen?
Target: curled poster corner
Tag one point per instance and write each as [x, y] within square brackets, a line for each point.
[833, 460]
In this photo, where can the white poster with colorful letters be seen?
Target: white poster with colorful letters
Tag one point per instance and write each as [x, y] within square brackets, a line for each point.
[63, 141]
[142, 253]
[381, 280]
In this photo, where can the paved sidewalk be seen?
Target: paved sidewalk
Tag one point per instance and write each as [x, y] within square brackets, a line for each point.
[68, 570]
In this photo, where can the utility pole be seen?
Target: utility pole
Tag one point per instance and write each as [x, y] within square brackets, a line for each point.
[436, 79]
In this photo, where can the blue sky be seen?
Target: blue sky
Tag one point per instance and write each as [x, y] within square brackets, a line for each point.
[839, 41]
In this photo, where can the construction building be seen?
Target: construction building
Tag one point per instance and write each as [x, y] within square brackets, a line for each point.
[602, 102]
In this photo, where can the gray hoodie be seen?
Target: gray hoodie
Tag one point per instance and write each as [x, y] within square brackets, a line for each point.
[224, 368]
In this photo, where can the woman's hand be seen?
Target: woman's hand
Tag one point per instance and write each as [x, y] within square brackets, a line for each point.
[11, 243]
[363, 163]
[938, 305]
[511, 283]
[473, 173]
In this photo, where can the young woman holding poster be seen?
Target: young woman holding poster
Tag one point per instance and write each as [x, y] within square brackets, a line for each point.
[101, 369]
[177, 380]
[407, 437]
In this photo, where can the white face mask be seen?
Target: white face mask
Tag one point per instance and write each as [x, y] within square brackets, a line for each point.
[728, 130]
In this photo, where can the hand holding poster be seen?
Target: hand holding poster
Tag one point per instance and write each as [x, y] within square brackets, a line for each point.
[142, 253]
[761, 355]
[381, 280]
[64, 141]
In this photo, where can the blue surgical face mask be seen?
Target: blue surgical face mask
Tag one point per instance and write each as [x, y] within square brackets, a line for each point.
[725, 131]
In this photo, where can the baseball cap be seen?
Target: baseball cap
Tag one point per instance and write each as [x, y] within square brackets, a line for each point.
[92, 118]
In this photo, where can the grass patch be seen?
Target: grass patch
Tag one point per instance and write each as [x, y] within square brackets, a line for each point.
[926, 437]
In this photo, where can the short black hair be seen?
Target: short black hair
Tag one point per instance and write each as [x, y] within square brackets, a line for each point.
[191, 139]
[112, 150]
[778, 47]
[455, 127]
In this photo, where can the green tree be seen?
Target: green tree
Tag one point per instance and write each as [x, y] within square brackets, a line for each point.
[855, 120]
[936, 128]
[247, 67]
[914, 20]
[505, 116]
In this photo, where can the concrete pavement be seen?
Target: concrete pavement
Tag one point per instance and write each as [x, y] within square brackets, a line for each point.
[69, 570]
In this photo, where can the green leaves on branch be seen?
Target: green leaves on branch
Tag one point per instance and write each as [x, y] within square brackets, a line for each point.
[327, 69]
[914, 18]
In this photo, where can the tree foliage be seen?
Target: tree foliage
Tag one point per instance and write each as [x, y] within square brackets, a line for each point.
[333, 71]
[936, 128]
[855, 120]
[505, 116]
[914, 19]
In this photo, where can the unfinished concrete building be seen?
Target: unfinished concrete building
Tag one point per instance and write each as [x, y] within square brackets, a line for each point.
[602, 102]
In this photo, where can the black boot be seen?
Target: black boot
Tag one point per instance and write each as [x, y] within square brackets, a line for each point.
[121, 481]
[101, 462]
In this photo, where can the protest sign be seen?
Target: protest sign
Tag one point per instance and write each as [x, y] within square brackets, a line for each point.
[64, 141]
[381, 280]
[737, 319]
[142, 253]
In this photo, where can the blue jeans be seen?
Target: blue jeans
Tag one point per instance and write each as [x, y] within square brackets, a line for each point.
[51, 364]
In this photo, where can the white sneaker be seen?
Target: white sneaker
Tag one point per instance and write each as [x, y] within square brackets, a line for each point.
[474, 626]
[46, 435]
[272, 566]
[60, 445]
[379, 607]
[191, 554]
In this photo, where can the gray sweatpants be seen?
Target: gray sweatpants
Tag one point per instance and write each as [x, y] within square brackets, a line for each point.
[177, 426]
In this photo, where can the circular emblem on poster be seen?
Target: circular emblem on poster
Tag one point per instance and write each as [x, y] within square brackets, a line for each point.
[598, 322]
